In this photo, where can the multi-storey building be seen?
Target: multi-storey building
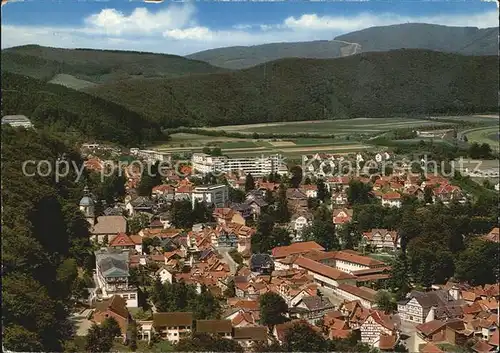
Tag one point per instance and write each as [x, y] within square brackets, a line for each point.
[151, 155]
[173, 326]
[112, 274]
[257, 166]
[17, 121]
[218, 195]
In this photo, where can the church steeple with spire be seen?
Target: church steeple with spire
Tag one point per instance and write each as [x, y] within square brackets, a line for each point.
[87, 206]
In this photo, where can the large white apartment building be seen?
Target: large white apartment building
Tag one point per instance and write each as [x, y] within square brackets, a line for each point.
[212, 194]
[257, 166]
[151, 155]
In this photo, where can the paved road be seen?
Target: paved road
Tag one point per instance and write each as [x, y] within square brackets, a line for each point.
[82, 324]
[228, 259]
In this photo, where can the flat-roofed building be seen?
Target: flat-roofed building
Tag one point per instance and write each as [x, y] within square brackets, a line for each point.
[17, 121]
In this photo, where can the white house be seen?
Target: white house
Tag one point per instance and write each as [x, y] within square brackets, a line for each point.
[391, 199]
[217, 195]
[301, 220]
[112, 274]
[382, 239]
[375, 327]
[164, 274]
[173, 326]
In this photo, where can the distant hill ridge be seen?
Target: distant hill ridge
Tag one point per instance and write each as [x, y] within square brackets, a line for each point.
[460, 40]
[98, 66]
[376, 84]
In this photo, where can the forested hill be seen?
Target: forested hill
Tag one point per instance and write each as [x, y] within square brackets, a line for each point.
[241, 57]
[45, 239]
[97, 66]
[462, 40]
[379, 84]
[63, 109]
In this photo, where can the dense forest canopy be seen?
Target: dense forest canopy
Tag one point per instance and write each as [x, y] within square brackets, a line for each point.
[44, 242]
[63, 109]
[395, 83]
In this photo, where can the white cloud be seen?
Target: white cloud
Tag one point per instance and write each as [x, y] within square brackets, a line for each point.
[313, 22]
[174, 29]
[140, 21]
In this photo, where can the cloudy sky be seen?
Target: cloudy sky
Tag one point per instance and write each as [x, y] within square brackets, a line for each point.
[186, 27]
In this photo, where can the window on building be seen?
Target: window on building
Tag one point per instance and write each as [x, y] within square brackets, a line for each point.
[132, 296]
[125, 296]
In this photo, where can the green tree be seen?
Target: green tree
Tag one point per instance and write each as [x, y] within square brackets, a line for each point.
[358, 193]
[322, 232]
[399, 281]
[478, 263]
[111, 327]
[282, 213]
[428, 195]
[273, 309]
[301, 337]
[137, 223]
[249, 183]
[181, 213]
[384, 301]
[98, 340]
[132, 343]
[150, 178]
[296, 179]
[236, 195]
[323, 193]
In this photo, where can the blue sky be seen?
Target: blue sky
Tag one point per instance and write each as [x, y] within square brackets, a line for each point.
[185, 27]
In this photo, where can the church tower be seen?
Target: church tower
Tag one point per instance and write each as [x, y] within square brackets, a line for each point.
[87, 206]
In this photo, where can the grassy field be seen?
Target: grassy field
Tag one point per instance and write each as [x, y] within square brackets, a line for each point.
[237, 147]
[335, 127]
[484, 135]
[339, 144]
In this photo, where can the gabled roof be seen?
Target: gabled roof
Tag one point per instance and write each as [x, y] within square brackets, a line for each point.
[172, 319]
[214, 326]
[116, 304]
[356, 258]
[321, 269]
[110, 225]
[430, 348]
[296, 248]
[482, 347]
[256, 333]
[121, 239]
[313, 303]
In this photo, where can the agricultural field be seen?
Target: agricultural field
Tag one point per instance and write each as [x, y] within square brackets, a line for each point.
[487, 135]
[335, 127]
[238, 147]
[343, 138]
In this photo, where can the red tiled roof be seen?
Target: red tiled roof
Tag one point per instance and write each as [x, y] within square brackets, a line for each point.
[321, 269]
[430, 348]
[342, 334]
[482, 347]
[354, 257]
[430, 327]
[121, 239]
[357, 291]
[391, 196]
[387, 342]
[296, 248]
[495, 338]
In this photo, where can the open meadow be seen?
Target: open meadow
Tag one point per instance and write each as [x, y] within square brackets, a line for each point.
[335, 127]
[346, 136]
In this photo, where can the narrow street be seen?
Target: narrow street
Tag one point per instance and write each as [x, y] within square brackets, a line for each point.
[228, 259]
